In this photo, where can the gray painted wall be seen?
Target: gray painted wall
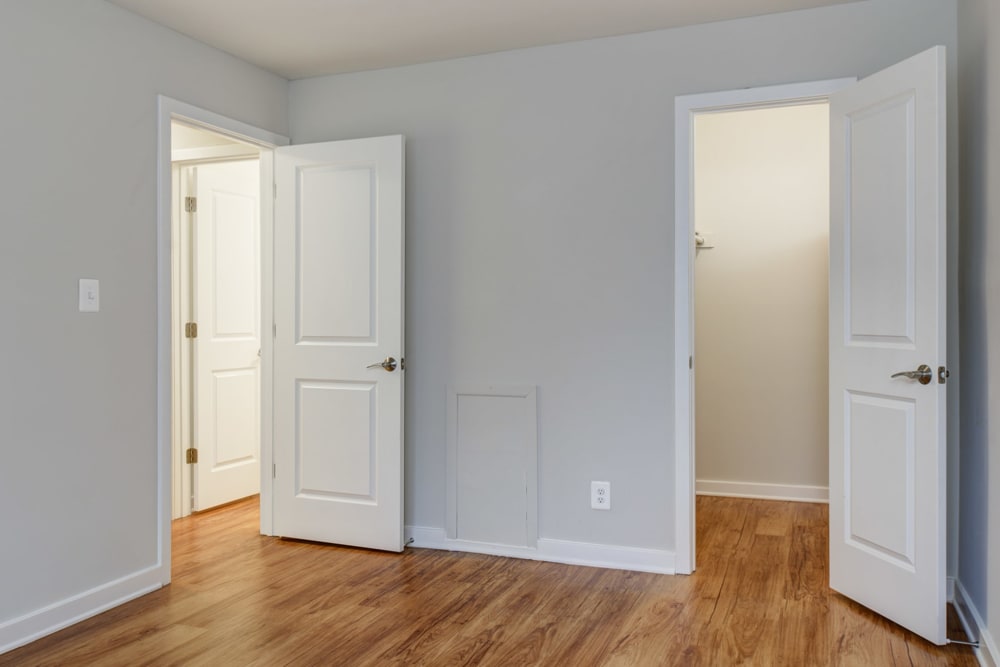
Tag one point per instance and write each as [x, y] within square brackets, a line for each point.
[979, 551]
[539, 233]
[77, 390]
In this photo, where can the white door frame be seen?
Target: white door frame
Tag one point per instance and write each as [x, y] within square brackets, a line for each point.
[169, 110]
[686, 107]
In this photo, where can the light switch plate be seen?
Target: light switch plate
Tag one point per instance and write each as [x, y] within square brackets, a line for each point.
[90, 295]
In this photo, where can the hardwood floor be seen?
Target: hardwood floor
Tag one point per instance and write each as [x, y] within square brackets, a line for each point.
[759, 597]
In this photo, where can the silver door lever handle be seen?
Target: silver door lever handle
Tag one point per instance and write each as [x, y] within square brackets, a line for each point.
[388, 364]
[923, 374]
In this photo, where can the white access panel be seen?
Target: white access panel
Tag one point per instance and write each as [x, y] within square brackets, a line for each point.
[492, 467]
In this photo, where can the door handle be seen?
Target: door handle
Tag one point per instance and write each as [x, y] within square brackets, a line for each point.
[923, 374]
[388, 364]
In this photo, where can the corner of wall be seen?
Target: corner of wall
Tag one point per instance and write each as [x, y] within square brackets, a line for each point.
[976, 628]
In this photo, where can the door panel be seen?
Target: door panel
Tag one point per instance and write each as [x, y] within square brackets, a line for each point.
[879, 475]
[880, 146]
[227, 310]
[339, 311]
[335, 444]
[887, 315]
[235, 392]
[336, 234]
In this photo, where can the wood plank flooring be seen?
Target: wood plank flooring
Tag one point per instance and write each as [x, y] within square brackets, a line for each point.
[759, 597]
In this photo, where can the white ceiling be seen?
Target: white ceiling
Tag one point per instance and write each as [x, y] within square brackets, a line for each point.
[303, 38]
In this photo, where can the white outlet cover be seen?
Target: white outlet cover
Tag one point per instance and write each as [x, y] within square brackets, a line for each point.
[90, 295]
[600, 495]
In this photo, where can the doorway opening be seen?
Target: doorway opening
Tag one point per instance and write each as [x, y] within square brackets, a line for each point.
[708, 221]
[761, 218]
[216, 319]
[169, 469]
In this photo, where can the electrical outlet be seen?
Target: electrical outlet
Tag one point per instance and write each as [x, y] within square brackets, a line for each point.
[600, 495]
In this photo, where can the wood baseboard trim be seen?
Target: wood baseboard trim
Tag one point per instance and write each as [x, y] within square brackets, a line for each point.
[976, 628]
[793, 492]
[554, 551]
[58, 615]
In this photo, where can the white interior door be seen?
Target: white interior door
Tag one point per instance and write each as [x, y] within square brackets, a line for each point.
[226, 401]
[887, 315]
[338, 304]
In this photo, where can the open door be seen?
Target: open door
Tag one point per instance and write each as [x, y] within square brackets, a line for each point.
[338, 343]
[887, 343]
[226, 295]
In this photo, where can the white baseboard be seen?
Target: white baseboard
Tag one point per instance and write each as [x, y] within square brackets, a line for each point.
[555, 551]
[36, 624]
[976, 628]
[795, 492]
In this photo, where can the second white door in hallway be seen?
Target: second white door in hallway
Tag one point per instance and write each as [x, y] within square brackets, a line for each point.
[225, 354]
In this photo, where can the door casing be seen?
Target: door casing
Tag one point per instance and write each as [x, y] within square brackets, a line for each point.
[169, 110]
[686, 107]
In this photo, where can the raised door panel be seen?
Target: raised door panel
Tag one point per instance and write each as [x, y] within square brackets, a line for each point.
[335, 447]
[235, 408]
[336, 241]
[235, 290]
[880, 226]
[879, 483]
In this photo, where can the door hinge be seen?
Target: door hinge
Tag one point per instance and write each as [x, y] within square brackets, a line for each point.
[275, 193]
[943, 374]
[191, 455]
[191, 330]
[190, 204]
[690, 362]
[274, 470]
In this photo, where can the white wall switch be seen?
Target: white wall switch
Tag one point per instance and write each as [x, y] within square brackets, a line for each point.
[90, 295]
[600, 495]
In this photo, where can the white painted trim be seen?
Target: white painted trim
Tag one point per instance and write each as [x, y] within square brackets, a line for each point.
[171, 109]
[180, 250]
[212, 153]
[553, 551]
[685, 108]
[639, 559]
[54, 617]
[527, 392]
[949, 589]
[976, 628]
[176, 313]
[266, 341]
[793, 492]
[168, 111]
